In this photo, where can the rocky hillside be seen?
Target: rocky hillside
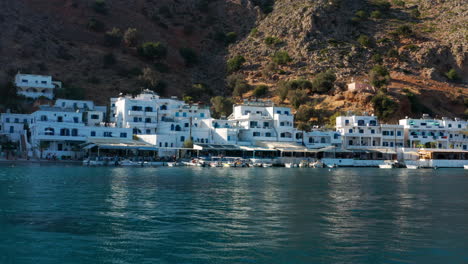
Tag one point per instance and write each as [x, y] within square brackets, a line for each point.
[297, 52]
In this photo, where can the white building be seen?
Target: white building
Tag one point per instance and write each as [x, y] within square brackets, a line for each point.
[316, 139]
[366, 132]
[35, 86]
[435, 133]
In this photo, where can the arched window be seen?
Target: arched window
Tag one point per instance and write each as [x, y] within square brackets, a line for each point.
[177, 128]
[322, 140]
[163, 107]
[165, 144]
[172, 127]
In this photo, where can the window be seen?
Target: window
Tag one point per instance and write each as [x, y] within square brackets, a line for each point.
[60, 119]
[322, 140]
[64, 132]
[372, 131]
[160, 144]
[172, 127]
[177, 114]
[449, 125]
[75, 119]
[229, 138]
[346, 122]
[24, 80]
[107, 134]
[360, 122]
[147, 120]
[459, 125]
[7, 120]
[202, 114]
[361, 131]
[184, 114]
[286, 112]
[373, 123]
[12, 129]
[267, 134]
[350, 130]
[246, 112]
[350, 142]
[281, 123]
[182, 139]
[177, 128]
[74, 132]
[93, 133]
[253, 123]
[385, 144]
[94, 116]
[256, 134]
[60, 147]
[186, 125]
[172, 145]
[148, 131]
[43, 82]
[336, 136]
[163, 107]
[266, 124]
[16, 120]
[398, 133]
[165, 144]
[278, 112]
[123, 135]
[148, 109]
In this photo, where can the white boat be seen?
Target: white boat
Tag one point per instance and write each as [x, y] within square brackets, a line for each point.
[172, 164]
[386, 166]
[303, 164]
[229, 164]
[332, 166]
[216, 164]
[256, 164]
[267, 165]
[289, 165]
[128, 163]
[317, 164]
[465, 167]
[412, 167]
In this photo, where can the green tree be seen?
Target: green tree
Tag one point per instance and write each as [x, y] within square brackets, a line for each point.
[113, 37]
[452, 75]
[281, 58]
[323, 82]
[404, 31]
[282, 90]
[376, 14]
[235, 63]
[260, 90]
[379, 76]
[362, 14]
[231, 37]
[238, 84]
[365, 41]
[297, 97]
[384, 106]
[153, 50]
[131, 37]
[188, 143]
[222, 106]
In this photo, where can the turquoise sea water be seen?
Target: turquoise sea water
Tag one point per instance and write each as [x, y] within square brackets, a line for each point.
[227, 215]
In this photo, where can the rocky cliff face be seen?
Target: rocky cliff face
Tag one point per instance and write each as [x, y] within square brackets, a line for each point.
[419, 41]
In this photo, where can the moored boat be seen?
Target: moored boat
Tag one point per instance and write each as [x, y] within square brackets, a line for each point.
[412, 167]
[465, 167]
[267, 165]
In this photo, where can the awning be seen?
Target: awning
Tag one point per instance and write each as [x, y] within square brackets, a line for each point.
[206, 146]
[113, 143]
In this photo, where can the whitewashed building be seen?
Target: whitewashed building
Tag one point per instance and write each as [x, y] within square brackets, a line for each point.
[35, 86]
[367, 132]
[435, 133]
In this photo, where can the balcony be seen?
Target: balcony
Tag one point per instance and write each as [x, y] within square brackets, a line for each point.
[135, 113]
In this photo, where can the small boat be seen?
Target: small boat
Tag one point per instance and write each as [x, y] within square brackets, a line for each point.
[412, 167]
[332, 166]
[465, 167]
[303, 164]
[289, 165]
[172, 164]
[229, 164]
[127, 163]
[386, 166]
[216, 164]
[317, 164]
[267, 165]
[256, 164]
